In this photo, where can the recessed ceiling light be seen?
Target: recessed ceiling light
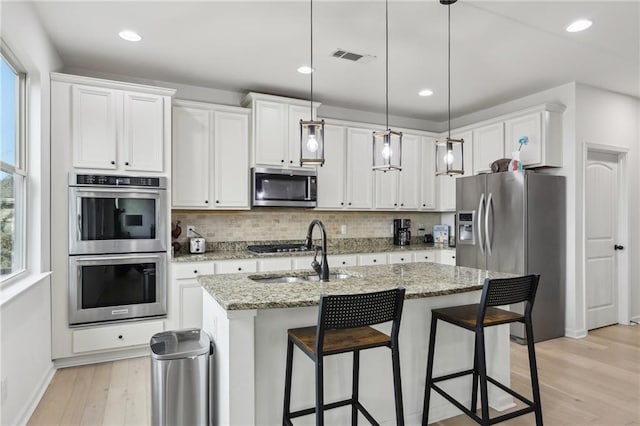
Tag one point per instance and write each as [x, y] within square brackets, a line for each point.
[425, 92]
[579, 25]
[129, 35]
[305, 69]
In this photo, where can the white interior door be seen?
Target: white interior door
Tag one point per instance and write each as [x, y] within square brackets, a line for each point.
[601, 210]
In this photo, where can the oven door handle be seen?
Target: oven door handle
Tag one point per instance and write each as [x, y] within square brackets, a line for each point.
[79, 226]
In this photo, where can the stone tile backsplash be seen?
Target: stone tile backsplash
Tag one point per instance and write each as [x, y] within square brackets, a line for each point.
[291, 224]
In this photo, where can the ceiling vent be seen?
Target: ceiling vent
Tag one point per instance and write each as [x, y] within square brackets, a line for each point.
[353, 57]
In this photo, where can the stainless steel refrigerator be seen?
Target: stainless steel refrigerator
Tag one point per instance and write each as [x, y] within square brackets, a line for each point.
[515, 222]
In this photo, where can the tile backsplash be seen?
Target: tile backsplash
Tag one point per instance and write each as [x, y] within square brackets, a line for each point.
[267, 224]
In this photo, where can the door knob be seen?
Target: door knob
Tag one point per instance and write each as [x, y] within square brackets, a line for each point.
[618, 247]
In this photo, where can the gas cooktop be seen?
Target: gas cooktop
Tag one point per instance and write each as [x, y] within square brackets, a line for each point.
[277, 248]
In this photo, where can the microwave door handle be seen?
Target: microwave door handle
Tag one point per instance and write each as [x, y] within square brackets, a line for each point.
[479, 226]
[486, 222]
[308, 189]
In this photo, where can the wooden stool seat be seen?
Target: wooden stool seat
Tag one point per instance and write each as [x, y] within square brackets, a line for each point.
[344, 326]
[466, 316]
[476, 318]
[338, 341]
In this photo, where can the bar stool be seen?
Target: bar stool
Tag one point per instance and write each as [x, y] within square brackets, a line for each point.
[344, 326]
[476, 318]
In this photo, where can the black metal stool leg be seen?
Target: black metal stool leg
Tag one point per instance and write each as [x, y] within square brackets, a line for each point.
[287, 385]
[319, 392]
[474, 389]
[534, 372]
[397, 385]
[482, 373]
[429, 375]
[354, 394]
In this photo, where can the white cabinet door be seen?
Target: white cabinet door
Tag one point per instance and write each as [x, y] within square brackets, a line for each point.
[447, 257]
[529, 126]
[428, 174]
[488, 144]
[190, 304]
[304, 262]
[94, 127]
[274, 264]
[143, 130]
[359, 169]
[191, 147]
[231, 160]
[386, 189]
[409, 177]
[424, 256]
[447, 184]
[372, 259]
[271, 133]
[331, 176]
[406, 257]
[336, 261]
[235, 266]
[297, 113]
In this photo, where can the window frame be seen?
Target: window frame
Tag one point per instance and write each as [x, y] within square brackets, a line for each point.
[20, 167]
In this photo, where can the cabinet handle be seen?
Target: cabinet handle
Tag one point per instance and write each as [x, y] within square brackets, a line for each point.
[217, 201]
[402, 205]
[239, 269]
[395, 204]
[374, 260]
[424, 205]
[344, 263]
[426, 257]
[282, 161]
[126, 163]
[290, 161]
[402, 259]
[453, 257]
[113, 162]
[349, 203]
[120, 337]
[206, 201]
[195, 271]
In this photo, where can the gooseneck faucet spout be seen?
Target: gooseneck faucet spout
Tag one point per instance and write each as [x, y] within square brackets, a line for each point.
[322, 267]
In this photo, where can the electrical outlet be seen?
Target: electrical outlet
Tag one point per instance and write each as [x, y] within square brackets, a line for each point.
[420, 229]
[191, 231]
[4, 390]
[343, 229]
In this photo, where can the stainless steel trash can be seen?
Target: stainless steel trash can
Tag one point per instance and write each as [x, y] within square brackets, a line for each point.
[180, 377]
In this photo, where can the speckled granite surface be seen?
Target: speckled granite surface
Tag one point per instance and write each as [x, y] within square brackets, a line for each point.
[238, 291]
[238, 250]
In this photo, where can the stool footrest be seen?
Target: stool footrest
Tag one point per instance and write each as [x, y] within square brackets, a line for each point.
[510, 391]
[451, 376]
[336, 404]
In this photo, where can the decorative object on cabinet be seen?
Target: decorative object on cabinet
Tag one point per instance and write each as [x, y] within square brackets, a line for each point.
[387, 144]
[501, 165]
[311, 131]
[449, 152]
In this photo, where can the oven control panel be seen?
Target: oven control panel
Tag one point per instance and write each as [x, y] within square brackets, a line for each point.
[112, 180]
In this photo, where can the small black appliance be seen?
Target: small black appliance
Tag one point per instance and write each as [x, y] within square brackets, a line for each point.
[401, 232]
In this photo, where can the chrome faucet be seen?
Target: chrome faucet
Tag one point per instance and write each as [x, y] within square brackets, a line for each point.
[321, 268]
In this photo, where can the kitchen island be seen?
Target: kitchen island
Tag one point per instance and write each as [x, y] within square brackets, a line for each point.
[248, 321]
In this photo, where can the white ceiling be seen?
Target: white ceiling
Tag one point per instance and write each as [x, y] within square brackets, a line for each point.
[501, 50]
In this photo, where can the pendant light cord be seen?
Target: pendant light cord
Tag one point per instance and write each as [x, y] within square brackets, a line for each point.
[386, 18]
[311, 38]
[449, 65]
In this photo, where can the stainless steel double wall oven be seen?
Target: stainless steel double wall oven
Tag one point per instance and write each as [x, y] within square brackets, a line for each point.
[117, 248]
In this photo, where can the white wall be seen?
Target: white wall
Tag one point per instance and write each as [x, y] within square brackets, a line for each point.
[608, 119]
[25, 363]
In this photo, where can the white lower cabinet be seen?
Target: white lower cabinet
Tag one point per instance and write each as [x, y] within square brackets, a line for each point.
[187, 292]
[115, 336]
[337, 261]
[372, 259]
[274, 264]
[298, 263]
[406, 257]
[425, 256]
[235, 266]
[447, 257]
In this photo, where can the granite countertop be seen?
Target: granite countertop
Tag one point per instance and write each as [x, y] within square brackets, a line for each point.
[239, 251]
[239, 292]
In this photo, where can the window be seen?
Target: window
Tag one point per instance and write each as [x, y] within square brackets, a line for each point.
[12, 166]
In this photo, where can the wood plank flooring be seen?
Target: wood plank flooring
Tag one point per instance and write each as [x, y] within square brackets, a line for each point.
[591, 381]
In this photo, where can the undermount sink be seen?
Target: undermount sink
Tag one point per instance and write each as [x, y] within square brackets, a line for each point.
[272, 279]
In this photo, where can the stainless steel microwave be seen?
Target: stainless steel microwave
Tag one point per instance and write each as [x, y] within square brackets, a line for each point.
[284, 187]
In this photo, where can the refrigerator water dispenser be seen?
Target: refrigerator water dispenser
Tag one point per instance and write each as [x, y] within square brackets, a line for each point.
[466, 234]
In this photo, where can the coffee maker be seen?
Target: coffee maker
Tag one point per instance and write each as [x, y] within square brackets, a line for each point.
[401, 232]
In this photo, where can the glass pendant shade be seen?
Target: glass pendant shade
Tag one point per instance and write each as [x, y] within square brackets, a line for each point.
[449, 157]
[311, 143]
[387, 150]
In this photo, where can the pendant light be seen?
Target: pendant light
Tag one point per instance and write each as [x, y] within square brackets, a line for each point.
[311, 131]
[387, 144]
[449, 152]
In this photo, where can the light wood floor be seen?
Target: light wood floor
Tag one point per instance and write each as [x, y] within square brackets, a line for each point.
[591, 381]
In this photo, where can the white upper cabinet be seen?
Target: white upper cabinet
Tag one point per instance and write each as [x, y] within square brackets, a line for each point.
[276, 129]
[409, 177]
[331, 176]
[359, 169]
[488, 146]
[210, 156]
[447, 184]
[386, 189]
[116, 129]
[428, 174]
[543, 132]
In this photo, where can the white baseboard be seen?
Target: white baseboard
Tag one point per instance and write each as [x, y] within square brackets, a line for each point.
[575, 334]
[36, 396]
[636, 320]
[101, 357]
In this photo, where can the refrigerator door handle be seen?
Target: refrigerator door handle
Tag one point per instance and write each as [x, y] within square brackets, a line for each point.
[488, 207]
[479, 226]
